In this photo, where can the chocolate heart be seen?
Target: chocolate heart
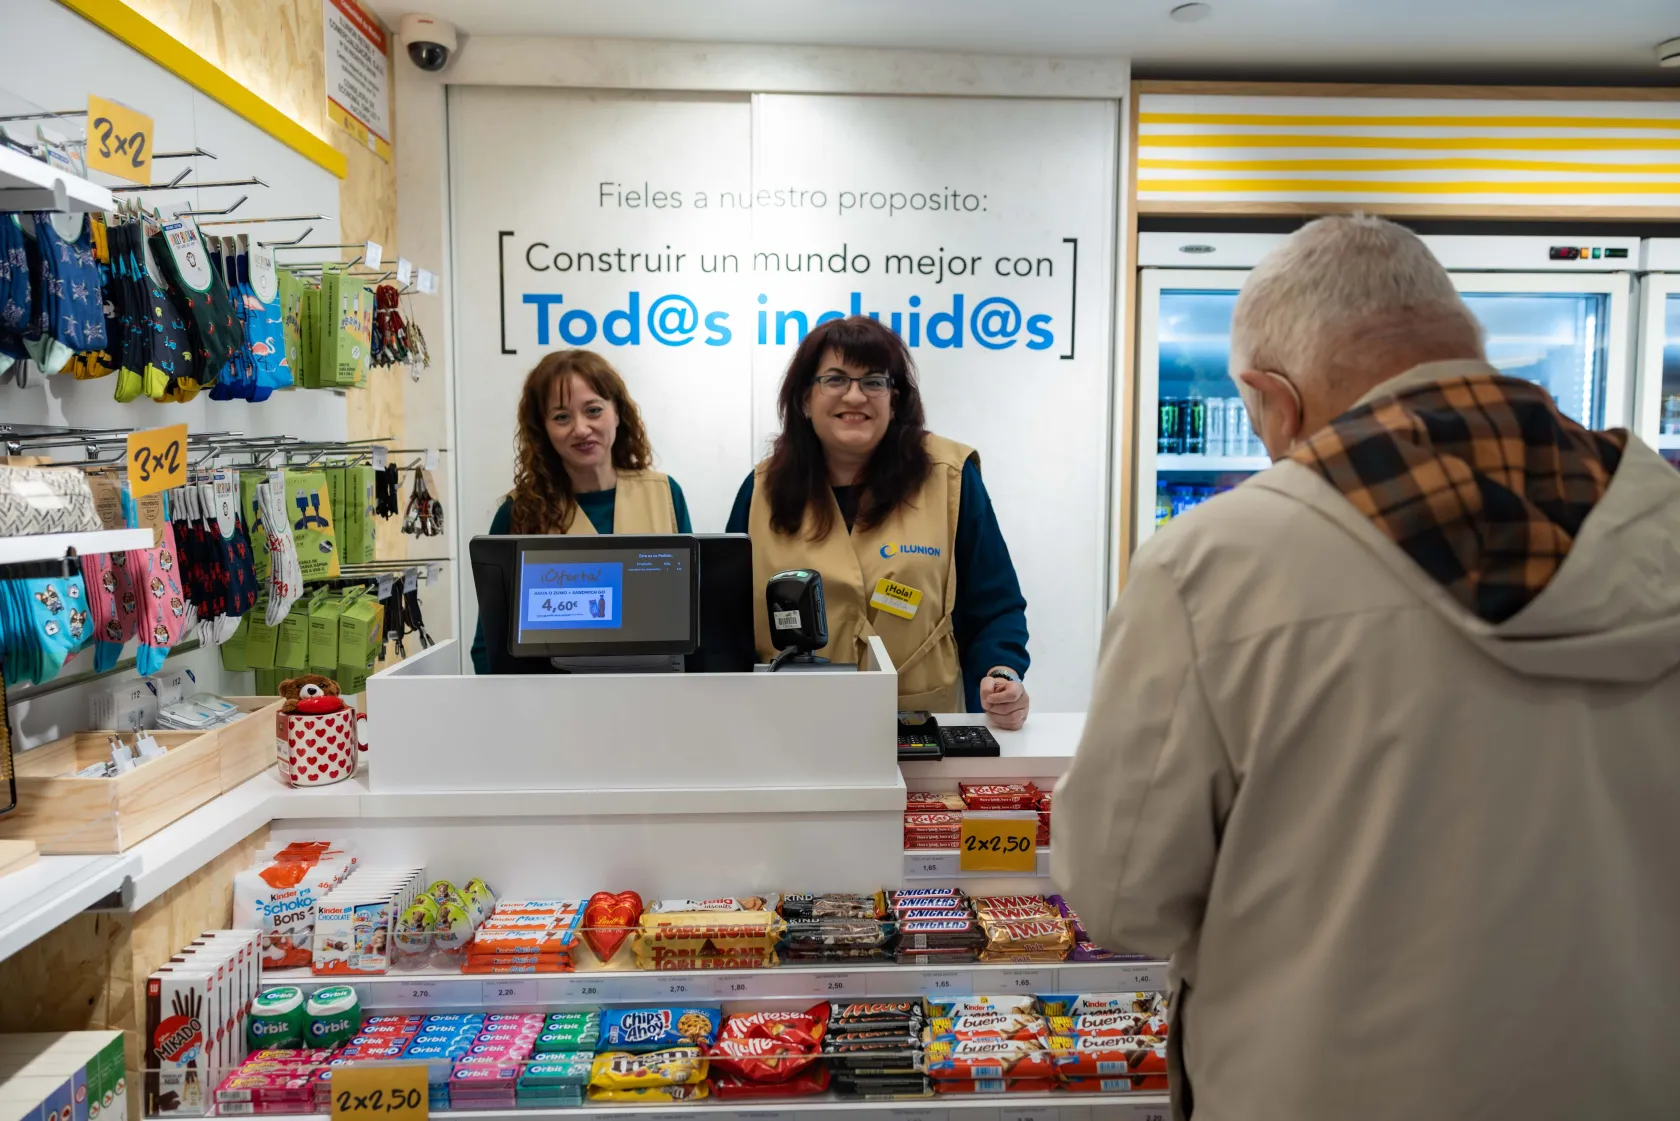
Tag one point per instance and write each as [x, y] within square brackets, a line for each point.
[608, 920]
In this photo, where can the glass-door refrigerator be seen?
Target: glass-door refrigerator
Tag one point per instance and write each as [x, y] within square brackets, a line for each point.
[1554, 311]
[1658, 388]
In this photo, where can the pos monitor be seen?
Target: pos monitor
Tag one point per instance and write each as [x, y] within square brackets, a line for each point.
[615, 602]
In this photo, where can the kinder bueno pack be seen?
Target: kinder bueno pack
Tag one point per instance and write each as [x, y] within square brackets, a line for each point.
[279, 894]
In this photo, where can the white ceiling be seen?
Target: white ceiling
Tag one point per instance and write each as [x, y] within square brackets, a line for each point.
[1460, 36]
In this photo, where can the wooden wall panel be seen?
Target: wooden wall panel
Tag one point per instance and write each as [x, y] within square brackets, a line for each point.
[274, 47]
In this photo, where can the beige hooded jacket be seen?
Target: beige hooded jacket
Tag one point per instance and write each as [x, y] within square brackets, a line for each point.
[1407, 863]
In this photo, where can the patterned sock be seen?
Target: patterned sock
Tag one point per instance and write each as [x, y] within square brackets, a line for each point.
[163, 607]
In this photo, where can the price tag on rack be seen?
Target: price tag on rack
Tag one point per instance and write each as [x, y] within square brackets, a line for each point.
[381, 457]
[586, 989]
[522, 990]
[157, 459]
[119, 141]
[404, 270]
[1041, 1113]
[372, 254]
[945, 982]
[999, 844]
[839, 985]
[431, 460]
[426, 282]
[668, 988]
[1025, 980]
[1143, 1111]
[925, 865]
[392, 1093]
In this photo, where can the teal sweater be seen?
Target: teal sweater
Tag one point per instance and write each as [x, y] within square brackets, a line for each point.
[598, 507]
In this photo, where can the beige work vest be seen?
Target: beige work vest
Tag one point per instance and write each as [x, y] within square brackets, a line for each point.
[915, 547]
[642, 505]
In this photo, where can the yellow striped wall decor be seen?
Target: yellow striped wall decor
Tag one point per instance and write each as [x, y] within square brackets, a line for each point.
[1227, 152]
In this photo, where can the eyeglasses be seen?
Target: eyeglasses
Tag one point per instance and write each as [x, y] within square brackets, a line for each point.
[836, 385]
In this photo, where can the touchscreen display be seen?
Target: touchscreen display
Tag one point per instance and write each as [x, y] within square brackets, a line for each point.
[598, 596]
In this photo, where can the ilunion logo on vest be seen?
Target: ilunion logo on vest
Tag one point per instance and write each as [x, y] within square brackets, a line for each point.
[890, 550]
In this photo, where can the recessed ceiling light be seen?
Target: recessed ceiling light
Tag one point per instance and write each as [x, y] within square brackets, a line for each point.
[1668, 53]
[1191, 13]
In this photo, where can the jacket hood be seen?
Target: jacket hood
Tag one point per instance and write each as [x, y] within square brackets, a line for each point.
[1610, 612]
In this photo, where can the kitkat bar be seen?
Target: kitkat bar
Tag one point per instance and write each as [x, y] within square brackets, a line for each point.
[1000, 795]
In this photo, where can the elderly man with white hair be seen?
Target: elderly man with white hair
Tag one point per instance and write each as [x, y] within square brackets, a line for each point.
[1382, 751]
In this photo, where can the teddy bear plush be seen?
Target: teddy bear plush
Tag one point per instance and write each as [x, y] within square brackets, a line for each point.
[310, 694]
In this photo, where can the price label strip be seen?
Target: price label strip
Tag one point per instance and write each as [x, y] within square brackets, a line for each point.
[393, 1093]
[157, 459]
[511, 991]
[999, 844]
[929, 865]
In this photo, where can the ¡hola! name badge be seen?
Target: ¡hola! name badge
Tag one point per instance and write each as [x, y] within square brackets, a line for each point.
[896, 599]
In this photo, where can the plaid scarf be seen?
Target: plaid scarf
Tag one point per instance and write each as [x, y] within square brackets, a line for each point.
[1480, 480]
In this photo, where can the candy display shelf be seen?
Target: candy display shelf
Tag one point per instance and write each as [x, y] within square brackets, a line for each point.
[1211, 463]
[54, 546]
[29, 184]
[976, 1107]
[435, 990]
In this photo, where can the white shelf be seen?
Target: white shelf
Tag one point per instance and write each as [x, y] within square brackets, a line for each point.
[52, 546]
[991, 1107]
[51, 891]
[438, 991]
[943, 864]
[1668, 441]
[27, 184]
[1216, 463]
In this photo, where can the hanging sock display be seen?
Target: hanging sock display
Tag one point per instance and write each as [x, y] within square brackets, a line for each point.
[285, 579]
[69, 303]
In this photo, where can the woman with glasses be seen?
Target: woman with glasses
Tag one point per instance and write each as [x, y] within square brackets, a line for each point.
[582, 461]
[897, 521]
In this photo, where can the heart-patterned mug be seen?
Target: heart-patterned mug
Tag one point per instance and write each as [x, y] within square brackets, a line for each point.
[318, 748]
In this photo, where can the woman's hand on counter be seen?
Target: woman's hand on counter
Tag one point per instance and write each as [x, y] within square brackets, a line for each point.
[1005, 702]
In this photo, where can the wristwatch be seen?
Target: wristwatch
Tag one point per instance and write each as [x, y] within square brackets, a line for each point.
[1005, 673]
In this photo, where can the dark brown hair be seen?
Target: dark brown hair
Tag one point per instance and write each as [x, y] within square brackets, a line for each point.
[796, 477]
[543, 501]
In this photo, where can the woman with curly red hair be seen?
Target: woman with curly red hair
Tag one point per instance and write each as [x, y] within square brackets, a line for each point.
[582, 461]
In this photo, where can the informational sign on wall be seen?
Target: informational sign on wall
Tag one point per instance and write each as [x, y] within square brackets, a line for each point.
[357, 96]
[695, 240]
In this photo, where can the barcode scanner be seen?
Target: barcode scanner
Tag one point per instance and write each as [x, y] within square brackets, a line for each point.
[798, 621]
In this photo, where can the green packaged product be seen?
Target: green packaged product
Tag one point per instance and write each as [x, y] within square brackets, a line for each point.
[582, 1037]
[291, 313]
[310, 508]
[291, 646]
[334, 1016]
[570, 1069]
[324, 611]
[277, 1019]
[233, 650]
[260, 638]
[248, 483]
[356, 519]
[267, 682]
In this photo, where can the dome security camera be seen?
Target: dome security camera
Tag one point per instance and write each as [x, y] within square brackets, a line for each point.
[430, 41]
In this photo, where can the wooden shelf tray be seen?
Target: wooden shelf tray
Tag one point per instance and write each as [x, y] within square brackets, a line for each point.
[66, 815]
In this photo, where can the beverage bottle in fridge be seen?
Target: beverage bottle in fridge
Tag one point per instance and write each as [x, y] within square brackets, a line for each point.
[1213, 433]
[1163, 507]
[1239, 433]
[1671, 414]
[1166, 438]
[1195, 426]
